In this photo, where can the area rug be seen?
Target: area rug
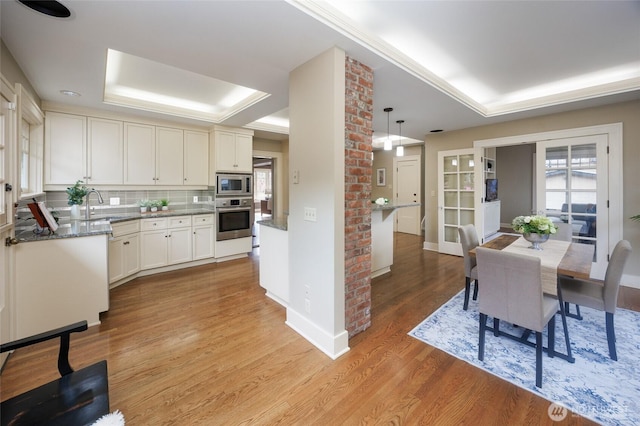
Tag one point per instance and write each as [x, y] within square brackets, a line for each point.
[594, 387]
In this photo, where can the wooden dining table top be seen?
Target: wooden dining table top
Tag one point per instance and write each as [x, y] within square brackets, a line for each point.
[576, 262]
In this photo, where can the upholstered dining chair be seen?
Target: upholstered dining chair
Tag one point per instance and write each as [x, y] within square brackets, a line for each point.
[512, 291]
[563, 233]
[469, 241]
[600, 295]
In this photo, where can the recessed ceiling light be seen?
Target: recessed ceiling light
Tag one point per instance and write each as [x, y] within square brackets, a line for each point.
[48, 7]
[436, 130]
[69, 93]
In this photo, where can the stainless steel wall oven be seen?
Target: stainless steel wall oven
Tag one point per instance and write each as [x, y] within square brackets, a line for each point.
[234, 218]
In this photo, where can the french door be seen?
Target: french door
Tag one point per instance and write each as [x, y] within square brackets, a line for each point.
[572, 189]
[459, 173]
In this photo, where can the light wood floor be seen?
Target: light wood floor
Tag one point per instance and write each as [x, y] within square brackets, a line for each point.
[205, 346]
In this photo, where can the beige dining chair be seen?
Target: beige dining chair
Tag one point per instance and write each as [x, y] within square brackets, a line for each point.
[600, 295]
[512, 292]
[469, 241]
[563, 233]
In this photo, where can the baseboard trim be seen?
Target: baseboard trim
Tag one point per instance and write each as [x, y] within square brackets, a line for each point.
[333, 346]
[430, 246]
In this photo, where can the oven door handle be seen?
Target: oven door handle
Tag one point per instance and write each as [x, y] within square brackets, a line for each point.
[232, 209]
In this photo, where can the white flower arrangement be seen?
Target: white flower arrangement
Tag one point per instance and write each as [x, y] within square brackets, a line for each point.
[533, 225]
[381, 201]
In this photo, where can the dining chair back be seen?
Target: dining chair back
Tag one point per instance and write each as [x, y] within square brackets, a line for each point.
[469, 241]
[600, 295]
[512, 291]
[563, 233]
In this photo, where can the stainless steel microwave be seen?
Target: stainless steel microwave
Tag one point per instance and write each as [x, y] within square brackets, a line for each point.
[232, 184]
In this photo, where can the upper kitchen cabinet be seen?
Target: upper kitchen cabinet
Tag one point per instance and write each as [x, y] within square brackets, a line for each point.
[139, 154]
[196, 158]
[82, 148]
[233, 150]
[65, 148]
[169, 156]
[104, 152]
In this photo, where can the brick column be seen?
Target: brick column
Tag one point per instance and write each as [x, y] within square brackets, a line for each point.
[358, 176]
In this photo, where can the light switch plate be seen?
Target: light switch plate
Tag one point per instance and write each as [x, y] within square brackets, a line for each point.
[310, 214]
[114, 201]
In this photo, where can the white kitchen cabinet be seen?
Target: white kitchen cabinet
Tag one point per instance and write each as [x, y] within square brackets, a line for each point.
[153, 155]
[165, 241]
[139, 154]
[233, 152]
[203, 229]
[65, 148]
[124, 250]
[179, 247]
[169, 156]
[105, 145]
[153, 249]
[196, 158]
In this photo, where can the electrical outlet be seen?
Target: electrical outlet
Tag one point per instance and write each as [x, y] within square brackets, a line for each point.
[195, 198]
[114, 201]
[310, 214]
[307, 291]
[307, 305]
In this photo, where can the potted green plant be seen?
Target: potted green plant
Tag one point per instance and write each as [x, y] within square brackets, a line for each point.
[144, 205]
[165, 204]
[155, 204]
[76, 195]
[636, 217]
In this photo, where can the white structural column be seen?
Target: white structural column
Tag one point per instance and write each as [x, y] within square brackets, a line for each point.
[316, 307]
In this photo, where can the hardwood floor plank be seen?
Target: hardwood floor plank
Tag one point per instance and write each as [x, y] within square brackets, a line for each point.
[206, 346]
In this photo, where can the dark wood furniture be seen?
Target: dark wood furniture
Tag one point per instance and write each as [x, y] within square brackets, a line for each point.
[76, 398]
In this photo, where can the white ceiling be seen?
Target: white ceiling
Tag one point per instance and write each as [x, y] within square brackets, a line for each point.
[440, 64]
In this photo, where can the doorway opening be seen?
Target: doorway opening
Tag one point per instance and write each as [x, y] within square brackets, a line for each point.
[263, 193]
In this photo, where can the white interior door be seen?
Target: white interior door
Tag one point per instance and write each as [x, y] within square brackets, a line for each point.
[407, 190]
[572, 188]
[459, 171]
[7, 141]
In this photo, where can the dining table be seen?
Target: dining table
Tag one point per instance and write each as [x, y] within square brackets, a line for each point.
[557, 257]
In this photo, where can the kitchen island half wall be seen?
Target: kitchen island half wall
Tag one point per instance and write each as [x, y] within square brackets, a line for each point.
[382, 224]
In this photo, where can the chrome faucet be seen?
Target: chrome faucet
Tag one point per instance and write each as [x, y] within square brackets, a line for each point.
[87, 212]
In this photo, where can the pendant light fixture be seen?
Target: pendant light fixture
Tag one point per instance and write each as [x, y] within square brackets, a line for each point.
[400, 148]
[388, 144]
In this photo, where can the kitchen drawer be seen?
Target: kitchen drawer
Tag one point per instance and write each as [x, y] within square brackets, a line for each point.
[179, 221]
[153, 224]
[124, 228]
[203, 219]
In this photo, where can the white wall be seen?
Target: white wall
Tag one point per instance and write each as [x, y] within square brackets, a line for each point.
[316, 249]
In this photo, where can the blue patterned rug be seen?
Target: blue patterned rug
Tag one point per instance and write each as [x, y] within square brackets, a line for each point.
[595, 387]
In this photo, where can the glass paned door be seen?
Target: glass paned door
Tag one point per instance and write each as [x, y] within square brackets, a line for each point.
[572, 190]
[457, 196]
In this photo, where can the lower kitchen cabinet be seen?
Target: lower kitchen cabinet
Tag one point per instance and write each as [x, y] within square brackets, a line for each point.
[124, 250]
[203, 236]
[124, 257]
[165, 241]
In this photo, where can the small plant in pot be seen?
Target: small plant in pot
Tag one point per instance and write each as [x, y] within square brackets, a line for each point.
[165, 204]
[76, 195]
[144, 205]
[155, 204]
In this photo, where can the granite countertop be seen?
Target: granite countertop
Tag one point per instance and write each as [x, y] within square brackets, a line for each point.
[277, 223]
[390, 206]
[97, 225]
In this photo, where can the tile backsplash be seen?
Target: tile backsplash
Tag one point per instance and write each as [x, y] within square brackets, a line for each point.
[56, 201]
